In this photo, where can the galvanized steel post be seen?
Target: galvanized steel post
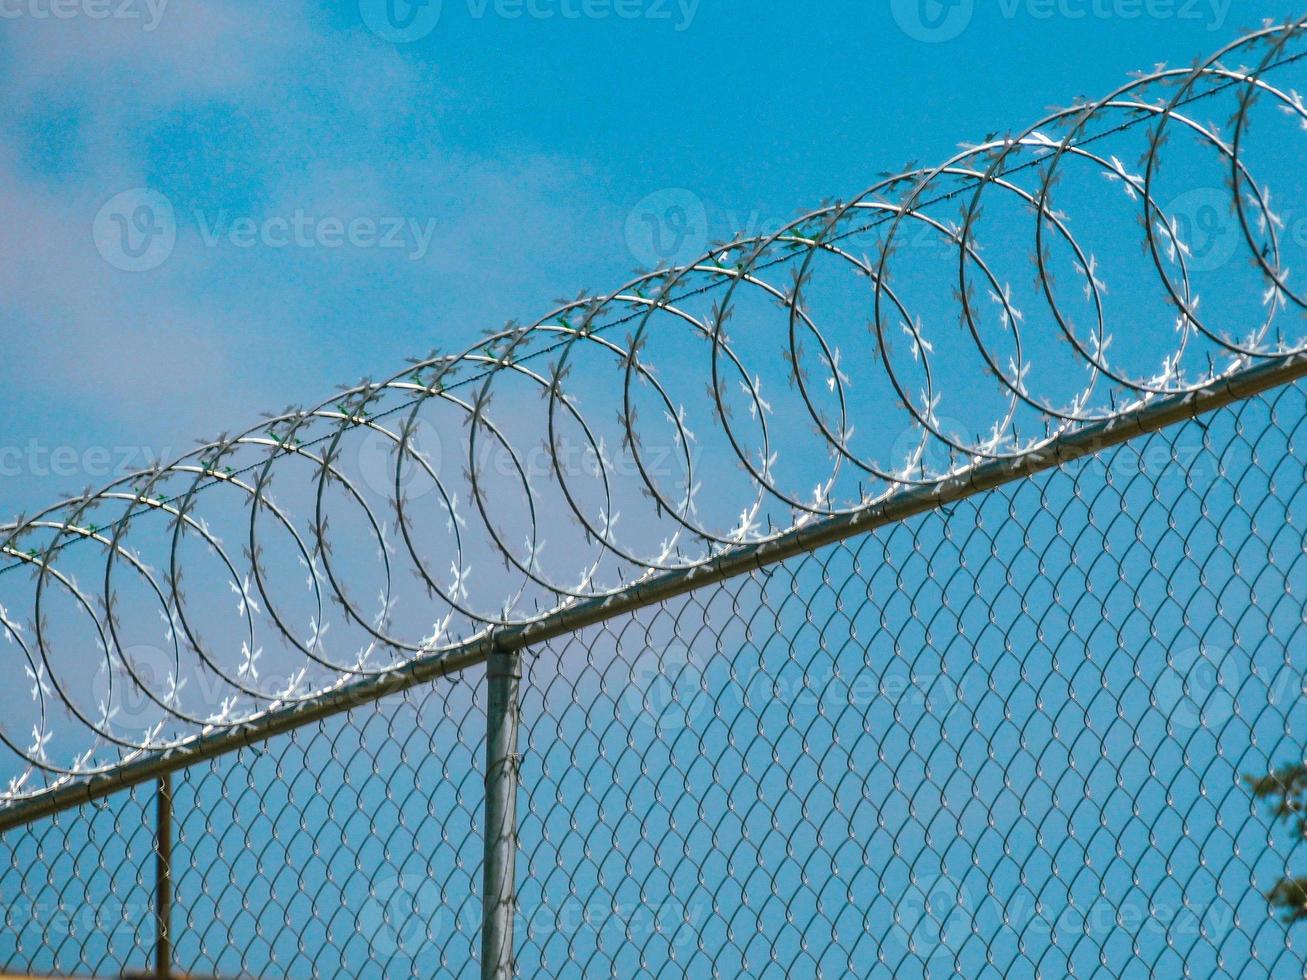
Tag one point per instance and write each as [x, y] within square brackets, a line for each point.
[163, 878]
[499, 885]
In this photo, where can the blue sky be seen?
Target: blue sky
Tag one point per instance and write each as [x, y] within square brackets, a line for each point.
[329, 192]
[514, 151]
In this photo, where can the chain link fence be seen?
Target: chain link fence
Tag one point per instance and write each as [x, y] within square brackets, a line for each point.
[1006, 737]
[910, 591]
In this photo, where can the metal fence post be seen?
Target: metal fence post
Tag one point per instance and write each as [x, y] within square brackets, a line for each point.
[499, 885]
[163, 878]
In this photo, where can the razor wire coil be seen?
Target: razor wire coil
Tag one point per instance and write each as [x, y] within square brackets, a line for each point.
[524, 519]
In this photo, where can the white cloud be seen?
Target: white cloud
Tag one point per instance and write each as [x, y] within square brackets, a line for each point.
[201, 343]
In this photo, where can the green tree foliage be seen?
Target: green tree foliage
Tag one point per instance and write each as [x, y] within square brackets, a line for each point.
[1286, 790]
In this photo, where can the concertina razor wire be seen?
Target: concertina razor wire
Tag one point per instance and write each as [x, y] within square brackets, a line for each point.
[1006, 737]
[871, 361]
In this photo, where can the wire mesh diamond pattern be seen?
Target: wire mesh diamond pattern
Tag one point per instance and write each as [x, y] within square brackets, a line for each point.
[1006, 738]
[981, 703]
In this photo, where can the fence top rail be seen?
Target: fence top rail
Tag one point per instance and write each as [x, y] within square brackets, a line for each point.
[645, 405]
[740, 560]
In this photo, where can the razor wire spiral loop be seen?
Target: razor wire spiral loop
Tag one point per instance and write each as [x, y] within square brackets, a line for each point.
[694, 405]
[1000, 738]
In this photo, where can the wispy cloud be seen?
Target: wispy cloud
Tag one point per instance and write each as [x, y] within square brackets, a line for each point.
[249, 113]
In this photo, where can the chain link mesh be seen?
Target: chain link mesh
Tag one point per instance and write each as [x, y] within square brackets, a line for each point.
[347, 848]
[1006, 738]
